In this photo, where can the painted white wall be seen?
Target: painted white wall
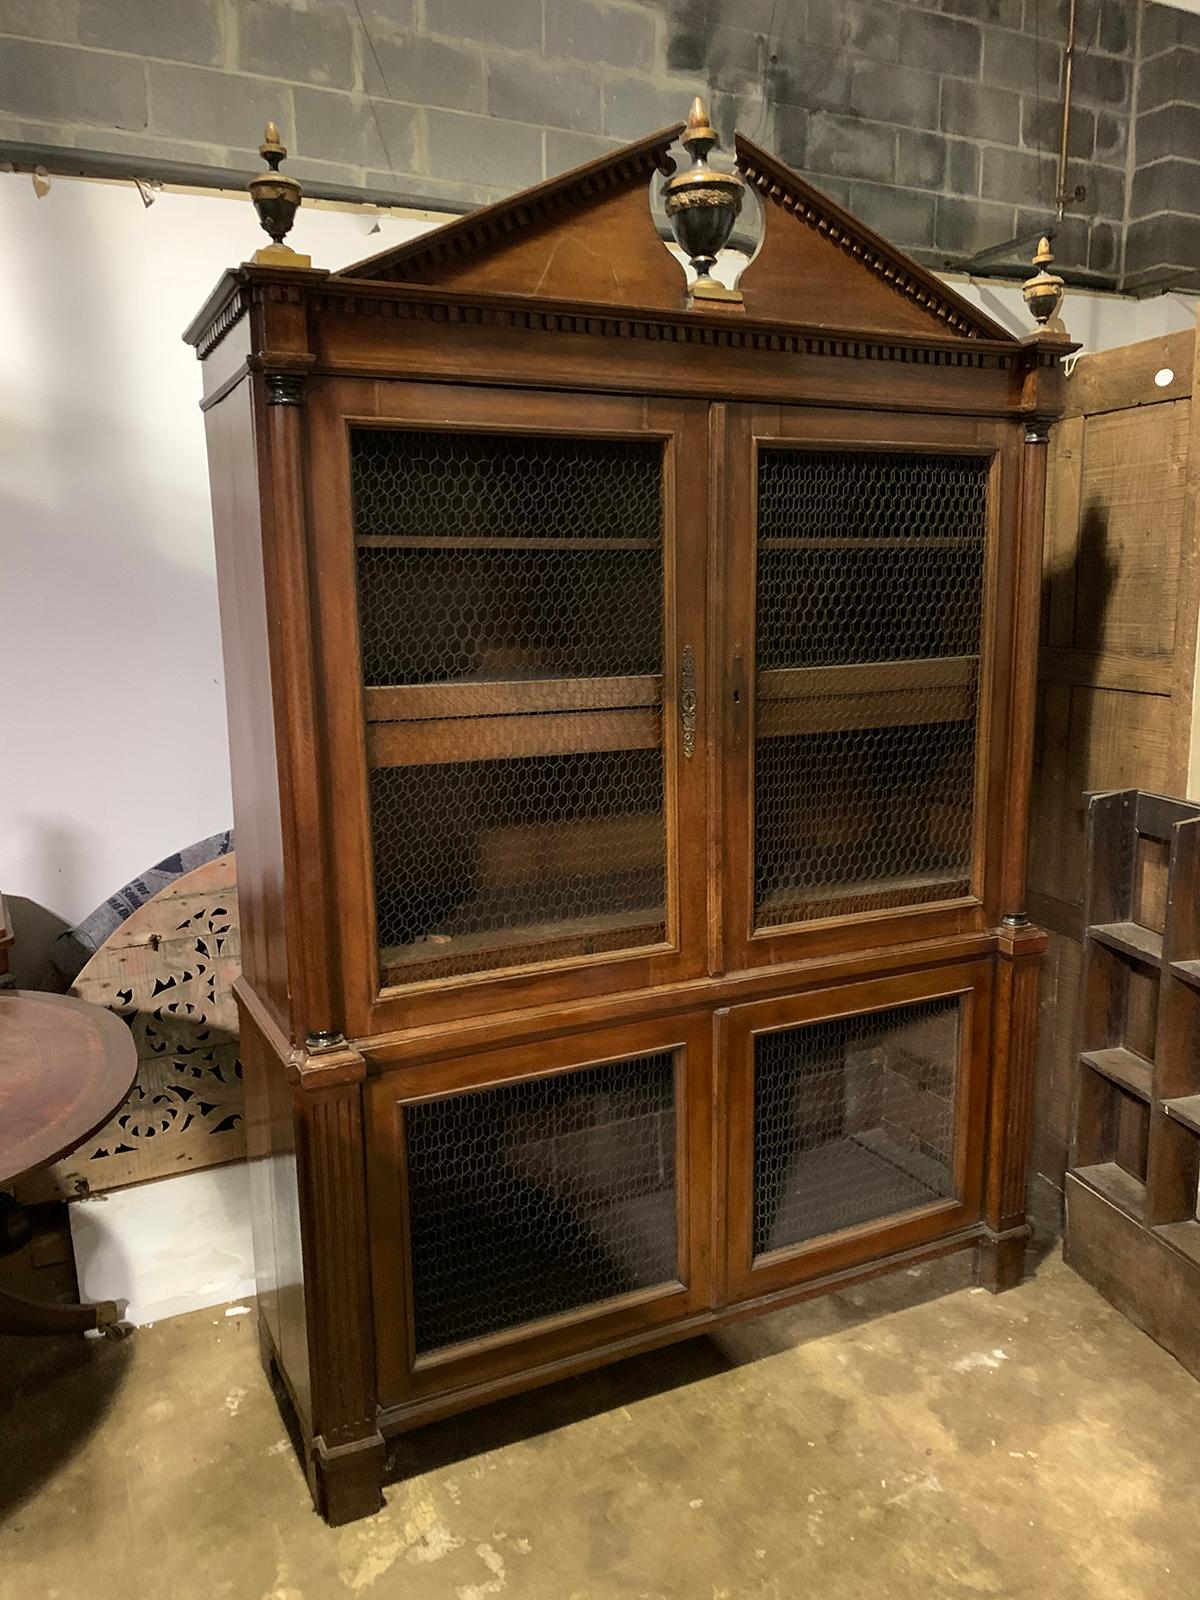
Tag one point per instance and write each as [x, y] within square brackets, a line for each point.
[114, 742]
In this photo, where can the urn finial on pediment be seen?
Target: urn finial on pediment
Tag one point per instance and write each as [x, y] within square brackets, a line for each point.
[703, 205]
[276, 199]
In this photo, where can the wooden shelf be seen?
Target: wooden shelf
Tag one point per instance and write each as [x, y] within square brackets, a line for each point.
[440, 741]
[436, 541]
[1130, 939]
[639, 928]
[1123, 1067]
[419, 702]
[1182, 1236]
[844, 899]
[1117, 1185]
[907, 541]
[1185, 1110]
[876, 694]
[1187, 972]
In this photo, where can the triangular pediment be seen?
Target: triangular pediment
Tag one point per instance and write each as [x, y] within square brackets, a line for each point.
[589, 236]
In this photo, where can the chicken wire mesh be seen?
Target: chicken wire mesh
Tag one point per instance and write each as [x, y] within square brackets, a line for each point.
[869, 627]
[538, 1197]
[500, 561]
[854, 1120]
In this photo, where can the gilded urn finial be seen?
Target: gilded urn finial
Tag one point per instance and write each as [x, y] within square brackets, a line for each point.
[1044, 291]
[276, 199]
[703, 205]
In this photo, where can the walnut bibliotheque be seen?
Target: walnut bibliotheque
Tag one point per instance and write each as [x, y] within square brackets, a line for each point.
[631, 699]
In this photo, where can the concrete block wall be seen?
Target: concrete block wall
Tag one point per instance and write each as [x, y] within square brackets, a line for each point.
[935, 120]
[1162, 239]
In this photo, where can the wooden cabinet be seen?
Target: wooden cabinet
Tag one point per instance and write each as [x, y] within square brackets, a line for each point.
[630, 713]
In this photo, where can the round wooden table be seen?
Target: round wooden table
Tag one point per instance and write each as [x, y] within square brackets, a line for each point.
[65, 1067]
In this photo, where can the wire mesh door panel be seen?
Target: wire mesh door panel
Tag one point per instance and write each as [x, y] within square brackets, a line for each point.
[527, 585]
[869, 632]
[856, 1119]
[547, 1199]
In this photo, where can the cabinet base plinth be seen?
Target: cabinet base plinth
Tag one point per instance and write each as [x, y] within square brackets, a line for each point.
[1000, 1260]
[346, 1480]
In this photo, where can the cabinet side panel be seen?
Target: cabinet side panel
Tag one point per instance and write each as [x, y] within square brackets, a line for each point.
[275, 1210]
[233, 474]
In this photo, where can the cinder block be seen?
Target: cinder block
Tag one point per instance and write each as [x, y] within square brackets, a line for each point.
[1102, 80]
[1112, 137]
[888, 92]
[948, 44]
[38, 19]
[817, 80]
[616, 35]
[354, 130]
[979, 111]
[1020, 61]
[295, 46]
[567, 150]
[1104, 248]
[502, 155]
[865, 27]
[175, 30]
[790, 136]
[1164, 26]
[1169, 131]
[851, 149]
[1174, 75]
[964, 226]
[1019, 176]
[1163, 247]
[905, 216]
[556, 94]
[1041, 128]
[1170, 185]
[1104, 188]
[1115, 31]
[59, 84]
[428, 72]
[216, 107]
[633, 107]
[921, 159]
[514, 24]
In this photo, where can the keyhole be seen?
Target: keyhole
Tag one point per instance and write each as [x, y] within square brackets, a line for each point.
[737, 697]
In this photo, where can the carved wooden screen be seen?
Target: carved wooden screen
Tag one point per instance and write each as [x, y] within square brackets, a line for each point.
[511, 621]
[869, 605]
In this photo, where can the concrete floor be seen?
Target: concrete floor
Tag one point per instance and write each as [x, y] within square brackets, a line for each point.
[913, 1437]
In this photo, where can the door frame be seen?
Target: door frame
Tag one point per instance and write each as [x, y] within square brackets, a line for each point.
[748, 429]
[334, 406]
[746, 1276]
[403, 1376]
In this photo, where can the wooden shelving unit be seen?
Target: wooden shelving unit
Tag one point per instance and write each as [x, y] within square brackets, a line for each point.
[1132, 1221]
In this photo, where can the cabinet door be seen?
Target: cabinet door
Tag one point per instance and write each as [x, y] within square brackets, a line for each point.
[868, 562]
[531, 1203]
[512, 602]
[856, 1123]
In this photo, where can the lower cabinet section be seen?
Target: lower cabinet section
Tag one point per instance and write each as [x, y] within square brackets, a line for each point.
[533, 1203]
[855, 1123]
